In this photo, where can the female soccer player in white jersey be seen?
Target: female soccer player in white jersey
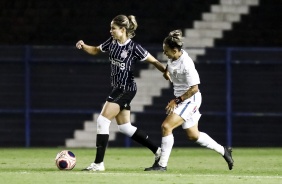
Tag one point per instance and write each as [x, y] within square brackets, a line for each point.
[123, 53]
[184, 109]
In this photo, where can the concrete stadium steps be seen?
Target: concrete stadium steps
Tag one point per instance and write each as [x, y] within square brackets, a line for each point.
[203, 33]
[230, 17]
[52, 129]
[258, 29]
[212, 25]
[147, 89]
[86, 138]
[149, 84]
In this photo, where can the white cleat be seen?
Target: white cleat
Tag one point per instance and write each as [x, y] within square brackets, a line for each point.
[95, 167]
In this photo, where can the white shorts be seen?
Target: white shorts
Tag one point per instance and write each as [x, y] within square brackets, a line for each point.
[189, 110]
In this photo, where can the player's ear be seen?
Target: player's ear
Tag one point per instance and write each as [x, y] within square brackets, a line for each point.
[123, 29]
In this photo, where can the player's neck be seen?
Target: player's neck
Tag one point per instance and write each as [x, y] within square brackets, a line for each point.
[122, 40]
[177, 56]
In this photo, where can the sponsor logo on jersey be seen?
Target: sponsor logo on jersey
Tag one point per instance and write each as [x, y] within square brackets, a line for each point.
[195, 109]
[119, 64]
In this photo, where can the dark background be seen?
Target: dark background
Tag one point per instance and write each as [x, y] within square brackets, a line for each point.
[67, 85]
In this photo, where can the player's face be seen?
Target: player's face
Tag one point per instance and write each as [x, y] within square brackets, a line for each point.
[116, 31]
[170, 53]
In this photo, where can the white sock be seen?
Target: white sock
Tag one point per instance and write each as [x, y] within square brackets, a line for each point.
[127, 129]
[103, 125]
[167, 144]
[206, 141]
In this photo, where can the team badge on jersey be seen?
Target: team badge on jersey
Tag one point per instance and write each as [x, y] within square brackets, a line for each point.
[175, 73]
[124, 54]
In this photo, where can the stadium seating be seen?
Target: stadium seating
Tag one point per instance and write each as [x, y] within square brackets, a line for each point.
[64, 80]
[64, 22]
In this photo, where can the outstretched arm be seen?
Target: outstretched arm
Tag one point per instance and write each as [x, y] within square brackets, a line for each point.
[156, 63]
[88, 48]
[159, 66]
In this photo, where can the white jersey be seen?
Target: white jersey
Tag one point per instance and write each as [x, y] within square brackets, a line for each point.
[183, 74]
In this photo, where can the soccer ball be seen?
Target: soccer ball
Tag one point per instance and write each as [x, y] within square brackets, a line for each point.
[65, 160]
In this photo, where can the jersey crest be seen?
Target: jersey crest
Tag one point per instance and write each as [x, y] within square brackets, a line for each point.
[175, 72]
[124, 54]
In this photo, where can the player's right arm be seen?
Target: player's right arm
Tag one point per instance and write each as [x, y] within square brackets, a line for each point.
[88, 48]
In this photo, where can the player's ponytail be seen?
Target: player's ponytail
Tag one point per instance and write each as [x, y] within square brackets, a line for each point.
[132, 26]
[174, 39]
[129, 23]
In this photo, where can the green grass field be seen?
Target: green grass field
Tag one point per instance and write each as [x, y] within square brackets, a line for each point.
[126, 165]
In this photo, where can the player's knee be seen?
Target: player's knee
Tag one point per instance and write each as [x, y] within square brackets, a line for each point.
[127, 129]
[103, 125]
[192, 136]
[166, 128]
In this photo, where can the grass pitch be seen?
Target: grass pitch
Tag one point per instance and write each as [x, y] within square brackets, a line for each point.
[126, 165]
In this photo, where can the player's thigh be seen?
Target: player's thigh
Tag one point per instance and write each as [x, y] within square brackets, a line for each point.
[123, 117]
[192, 132]
[172, 121]
[110, 110]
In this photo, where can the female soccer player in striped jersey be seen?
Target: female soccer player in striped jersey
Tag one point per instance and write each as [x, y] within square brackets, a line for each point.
[123, 53]
[184, 109]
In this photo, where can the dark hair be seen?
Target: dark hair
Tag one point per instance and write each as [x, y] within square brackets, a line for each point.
[174, 39]
[128, 22]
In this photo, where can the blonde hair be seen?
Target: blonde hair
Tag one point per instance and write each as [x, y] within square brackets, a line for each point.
[128, 22]
[174, 39]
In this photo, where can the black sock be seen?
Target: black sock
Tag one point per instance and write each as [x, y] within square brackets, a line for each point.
[142, 138]
[101, 144]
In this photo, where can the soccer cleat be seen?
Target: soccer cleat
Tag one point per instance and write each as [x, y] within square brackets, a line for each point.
[228, 157]
[155, 167]
[158, 154]
[95, 167]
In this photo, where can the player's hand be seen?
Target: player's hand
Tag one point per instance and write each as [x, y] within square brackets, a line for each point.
[167, 76]
[79, 44]
[170, 107]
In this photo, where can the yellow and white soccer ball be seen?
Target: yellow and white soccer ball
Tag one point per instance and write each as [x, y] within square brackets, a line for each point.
[65, 160]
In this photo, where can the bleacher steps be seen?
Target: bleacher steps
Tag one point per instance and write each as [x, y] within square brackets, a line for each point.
[147, 89]
[86, 138]
[212, 25]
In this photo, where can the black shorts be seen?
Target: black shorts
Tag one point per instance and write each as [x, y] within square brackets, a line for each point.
[121, 97]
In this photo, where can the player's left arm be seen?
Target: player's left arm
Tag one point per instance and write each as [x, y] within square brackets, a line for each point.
[193, 79]
[159, 66]
[174, 102]
[156, 63]
[190, 92]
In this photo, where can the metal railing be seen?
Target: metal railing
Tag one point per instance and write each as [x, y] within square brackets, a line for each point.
[229, 56]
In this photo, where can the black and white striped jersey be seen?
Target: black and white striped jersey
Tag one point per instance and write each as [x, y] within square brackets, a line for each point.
[123, 58]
